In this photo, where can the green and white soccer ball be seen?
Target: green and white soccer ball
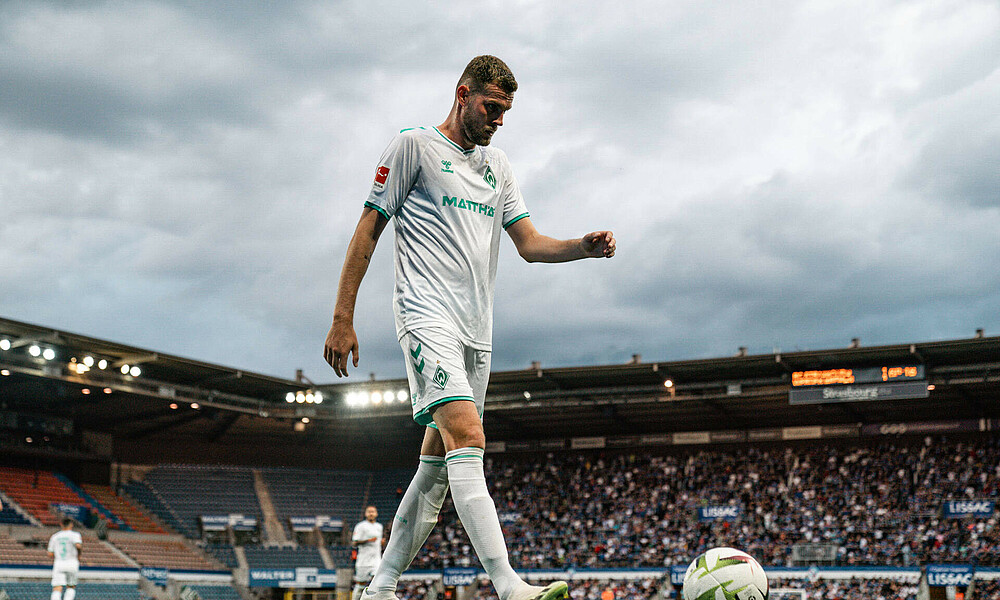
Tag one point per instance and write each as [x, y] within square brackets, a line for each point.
[724, 574]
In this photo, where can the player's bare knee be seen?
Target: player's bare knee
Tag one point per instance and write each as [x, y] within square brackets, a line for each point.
[432, 445]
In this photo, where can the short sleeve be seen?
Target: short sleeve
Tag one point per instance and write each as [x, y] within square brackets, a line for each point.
[52, 544]
[79, 538]
[514, 208]
[396, 172]
[357, 536]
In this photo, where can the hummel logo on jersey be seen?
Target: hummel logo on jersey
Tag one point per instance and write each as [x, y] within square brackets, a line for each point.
[479, 207]
[490, 178]
[446, 166]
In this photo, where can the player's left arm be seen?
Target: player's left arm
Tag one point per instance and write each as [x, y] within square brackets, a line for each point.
[535, 247]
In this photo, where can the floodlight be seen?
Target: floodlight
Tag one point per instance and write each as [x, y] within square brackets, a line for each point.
[290, 397]
[402, 395]
[124, 369]
[5, 344]
[195, 405]
[5, 373]
[300, 397]
[310, 397]
[85, 391]
[107, 390]
[48, 354]
[35, 351]
[305, 419]
[527, 395]
[376, 397]
[88, 360]
[135, 371]
[173, 406]
[102, 364]
[668, 383]
[318, 397]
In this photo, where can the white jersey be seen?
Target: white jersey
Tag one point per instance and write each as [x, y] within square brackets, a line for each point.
[450, 205]
[369, 553]
[63, 545]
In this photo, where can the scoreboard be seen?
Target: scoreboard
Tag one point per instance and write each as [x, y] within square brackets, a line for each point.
[865, 375]
[889, 382]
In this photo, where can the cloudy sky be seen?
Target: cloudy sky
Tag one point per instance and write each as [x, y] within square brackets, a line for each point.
[185, 176]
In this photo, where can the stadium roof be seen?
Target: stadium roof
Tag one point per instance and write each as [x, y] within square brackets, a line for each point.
[239, 408]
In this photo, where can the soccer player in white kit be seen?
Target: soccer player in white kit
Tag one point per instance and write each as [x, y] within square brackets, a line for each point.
[367, 537]
[64, 548]
[452, 196]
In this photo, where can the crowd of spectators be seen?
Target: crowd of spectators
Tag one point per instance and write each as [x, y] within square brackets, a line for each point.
[659, 588]
[875, 505]
[850, 589]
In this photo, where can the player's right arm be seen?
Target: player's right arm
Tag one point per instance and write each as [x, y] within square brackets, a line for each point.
[342, 340]
[395, 175]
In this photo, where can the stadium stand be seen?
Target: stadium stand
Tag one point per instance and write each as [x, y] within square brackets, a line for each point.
[113, 519]
[878, 505]
[35, 490]
[341, 556]
[133, 516]
[171, 554]
[988, 588]
[387, 490]
[33, 590]
[223, 553]
[13, 552]
[216, 592]
[307, 492]
[191, 491]
[148, 498]
[412, 589]
[10, 516]
[854, 589]
[282, 558]
[95, 553]
[34, 552]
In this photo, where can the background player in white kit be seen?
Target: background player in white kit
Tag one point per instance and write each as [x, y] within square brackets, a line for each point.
[64, 548]
[367, 537]
[452, 196]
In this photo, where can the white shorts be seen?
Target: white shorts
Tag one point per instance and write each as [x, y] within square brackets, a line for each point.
[441, 369]
[65, 577]
[364, 573]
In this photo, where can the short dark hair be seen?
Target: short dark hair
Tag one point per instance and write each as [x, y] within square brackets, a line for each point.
[484, 70]
[67, 521]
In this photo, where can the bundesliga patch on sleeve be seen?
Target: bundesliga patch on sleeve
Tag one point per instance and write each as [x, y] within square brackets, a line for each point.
[381, 174]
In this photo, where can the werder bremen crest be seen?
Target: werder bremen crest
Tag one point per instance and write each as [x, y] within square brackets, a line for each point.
[490, 178]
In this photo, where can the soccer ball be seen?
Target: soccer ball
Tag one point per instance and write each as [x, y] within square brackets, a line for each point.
[724, 574]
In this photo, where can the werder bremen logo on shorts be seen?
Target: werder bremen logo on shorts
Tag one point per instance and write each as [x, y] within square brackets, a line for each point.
[440, 377]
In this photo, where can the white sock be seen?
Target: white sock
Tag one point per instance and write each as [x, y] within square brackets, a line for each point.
[56, 595]
[415, 518]
[479, 517]
[69, 594]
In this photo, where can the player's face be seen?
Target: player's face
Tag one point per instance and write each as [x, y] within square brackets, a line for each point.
[483, 114]
[371, 514]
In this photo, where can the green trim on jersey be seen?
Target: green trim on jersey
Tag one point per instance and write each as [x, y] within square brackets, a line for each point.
[379, 209]
[424, 417]
[457, 147]
[515, 220]
[411, 129]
